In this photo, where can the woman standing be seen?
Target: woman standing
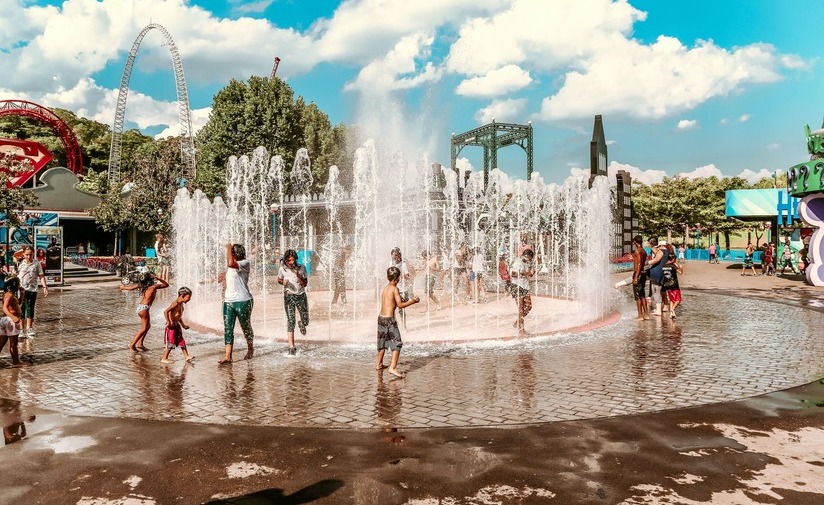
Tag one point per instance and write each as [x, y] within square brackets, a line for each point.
[237, 301]
[29, 271]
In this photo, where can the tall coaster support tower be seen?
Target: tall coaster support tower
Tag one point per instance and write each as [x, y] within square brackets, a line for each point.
[187, 147]
[491, 137]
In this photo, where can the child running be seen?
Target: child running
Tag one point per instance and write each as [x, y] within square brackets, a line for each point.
[148, 286]
[389, 336]
[175, 325]
[11, 323]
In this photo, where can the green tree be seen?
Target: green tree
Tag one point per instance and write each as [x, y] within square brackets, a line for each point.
[264, 112]
[145, 201]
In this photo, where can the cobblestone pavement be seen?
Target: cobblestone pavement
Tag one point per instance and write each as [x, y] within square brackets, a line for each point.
[720, 348]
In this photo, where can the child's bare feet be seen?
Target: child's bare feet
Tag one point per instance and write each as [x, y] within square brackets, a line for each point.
[380, 367]
[224, 361]
[190, 359]
[396, 373]
[133, 348]
[143, 349]
[249, 354]
[165, 361]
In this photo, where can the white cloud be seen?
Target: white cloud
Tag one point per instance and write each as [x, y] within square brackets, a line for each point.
[658, 80]
[251, 8]
[361, 30]
[744, 118]
[723, 121]
[647, 177]
[397, 69]
[705, 171]
[753, 177]
[650, 176]
[548, 35]
[502, 110]
[496, 82]
[687, 124]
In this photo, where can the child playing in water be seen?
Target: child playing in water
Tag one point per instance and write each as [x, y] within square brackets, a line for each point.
[11, 323]
[389, 336]
[175, 325]
[148, 286]
[670, 281]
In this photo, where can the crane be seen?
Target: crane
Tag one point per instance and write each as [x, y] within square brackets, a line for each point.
[275, 68]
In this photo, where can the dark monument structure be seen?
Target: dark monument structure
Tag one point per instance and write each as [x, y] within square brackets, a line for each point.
[625, 222]
[491, 137]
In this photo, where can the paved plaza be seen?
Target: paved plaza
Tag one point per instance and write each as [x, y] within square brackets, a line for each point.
[735, 339]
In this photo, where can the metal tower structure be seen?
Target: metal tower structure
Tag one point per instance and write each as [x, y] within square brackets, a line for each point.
[187, 147]
[274, 68]
[494, 136]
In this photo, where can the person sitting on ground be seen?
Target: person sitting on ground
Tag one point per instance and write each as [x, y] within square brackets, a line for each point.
[389, 336]
[175, 325]
[148, 286]
[12, 321]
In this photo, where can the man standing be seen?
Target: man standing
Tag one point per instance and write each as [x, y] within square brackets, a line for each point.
[639, 278]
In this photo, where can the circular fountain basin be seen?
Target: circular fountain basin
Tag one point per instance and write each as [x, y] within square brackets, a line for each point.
[455, 321]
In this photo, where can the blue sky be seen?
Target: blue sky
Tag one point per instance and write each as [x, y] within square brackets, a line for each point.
[699, 88]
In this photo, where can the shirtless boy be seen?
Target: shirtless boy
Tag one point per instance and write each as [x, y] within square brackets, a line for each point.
[175, 325]
[11, 323]
[148, 286]
[389, 336]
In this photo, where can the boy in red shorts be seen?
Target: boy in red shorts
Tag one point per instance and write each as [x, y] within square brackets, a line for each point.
[175, 325]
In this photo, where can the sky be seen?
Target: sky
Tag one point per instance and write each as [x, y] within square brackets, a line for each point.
[697, 88]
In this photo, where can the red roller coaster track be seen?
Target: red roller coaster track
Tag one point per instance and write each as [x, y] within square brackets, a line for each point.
[74, 157]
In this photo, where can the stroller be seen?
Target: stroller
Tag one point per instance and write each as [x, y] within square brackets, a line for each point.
[128, 270]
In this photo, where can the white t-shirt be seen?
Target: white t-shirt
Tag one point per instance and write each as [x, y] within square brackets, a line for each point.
[291, 283]
[478, 263]
[521, 267]
[402, 284]
[237, 283]
[29, 273]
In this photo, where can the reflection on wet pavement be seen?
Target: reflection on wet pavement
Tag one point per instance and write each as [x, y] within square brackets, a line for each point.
[720, 348]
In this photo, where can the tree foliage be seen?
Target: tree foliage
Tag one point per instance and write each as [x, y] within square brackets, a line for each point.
[145, 200]
[264, 112]
[678, 204]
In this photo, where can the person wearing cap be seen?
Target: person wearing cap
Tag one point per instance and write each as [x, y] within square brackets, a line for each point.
[660, 255]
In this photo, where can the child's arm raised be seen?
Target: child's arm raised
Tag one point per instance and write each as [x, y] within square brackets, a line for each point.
[130, 287]
[160, 283]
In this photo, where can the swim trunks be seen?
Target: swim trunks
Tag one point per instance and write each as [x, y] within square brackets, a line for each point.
[174, 337]
[389, 336]
[141, 308]
[7, 327]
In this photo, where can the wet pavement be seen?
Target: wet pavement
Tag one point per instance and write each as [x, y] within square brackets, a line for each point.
[88, 420]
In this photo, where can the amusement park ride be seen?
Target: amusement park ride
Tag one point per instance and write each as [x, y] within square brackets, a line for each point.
[36, 154]
[806, 181]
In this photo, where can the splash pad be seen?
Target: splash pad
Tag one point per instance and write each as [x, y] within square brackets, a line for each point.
[418, 207]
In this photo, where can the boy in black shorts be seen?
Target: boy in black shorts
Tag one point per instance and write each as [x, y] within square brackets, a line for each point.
[389, 336]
